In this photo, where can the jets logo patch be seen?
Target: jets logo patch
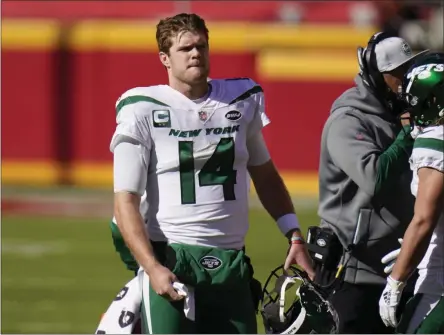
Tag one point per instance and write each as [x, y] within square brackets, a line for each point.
[210, 262]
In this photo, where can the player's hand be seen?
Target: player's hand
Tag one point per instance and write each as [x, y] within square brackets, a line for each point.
[161, 281]
[298, 254]
[389, 260]
[405, 119]
[389, 301]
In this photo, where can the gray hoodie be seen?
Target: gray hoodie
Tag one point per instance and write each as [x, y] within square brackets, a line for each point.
[367, 222]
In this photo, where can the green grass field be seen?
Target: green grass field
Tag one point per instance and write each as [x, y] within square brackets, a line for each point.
[60, 274]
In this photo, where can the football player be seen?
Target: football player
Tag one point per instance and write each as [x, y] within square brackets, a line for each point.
[423, 242]
[190, 146]
[123, 314]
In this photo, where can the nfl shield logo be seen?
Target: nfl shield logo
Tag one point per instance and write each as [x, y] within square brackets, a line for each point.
[406, 49]
[203, 116]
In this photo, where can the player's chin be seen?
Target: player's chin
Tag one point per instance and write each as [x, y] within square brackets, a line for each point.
[196, 74]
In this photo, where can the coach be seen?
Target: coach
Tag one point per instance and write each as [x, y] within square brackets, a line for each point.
[365, 203]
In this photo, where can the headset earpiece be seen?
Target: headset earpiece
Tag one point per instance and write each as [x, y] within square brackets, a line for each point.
[360, 52]
[371, 72]
[362, 68]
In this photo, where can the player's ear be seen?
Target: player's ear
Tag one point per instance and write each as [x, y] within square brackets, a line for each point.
[164, 59]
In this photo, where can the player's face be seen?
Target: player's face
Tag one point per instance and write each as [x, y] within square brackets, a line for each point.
[393, 79]
[188, 60]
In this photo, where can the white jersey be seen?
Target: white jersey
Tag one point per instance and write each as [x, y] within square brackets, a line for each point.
[428, 152]
[197, 186]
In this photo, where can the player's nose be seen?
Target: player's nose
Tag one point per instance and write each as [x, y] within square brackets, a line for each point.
[196, 53]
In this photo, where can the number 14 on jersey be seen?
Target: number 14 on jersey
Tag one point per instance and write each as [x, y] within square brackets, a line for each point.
[218, 170]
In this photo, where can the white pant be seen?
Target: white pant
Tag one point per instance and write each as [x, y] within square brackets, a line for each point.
[124, 311]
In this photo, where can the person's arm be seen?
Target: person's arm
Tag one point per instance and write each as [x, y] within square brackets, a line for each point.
[268, 183]
[277, 202]
[273, 194]
[130, 175]
[428, 207]
[131, 145]
[354, 150]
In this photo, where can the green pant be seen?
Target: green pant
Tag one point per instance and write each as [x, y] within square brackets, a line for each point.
[223, 299]
[125, 254]
[121, 248]
[416, 320]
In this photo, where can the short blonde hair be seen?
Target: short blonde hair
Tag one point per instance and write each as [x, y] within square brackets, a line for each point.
[172, 26]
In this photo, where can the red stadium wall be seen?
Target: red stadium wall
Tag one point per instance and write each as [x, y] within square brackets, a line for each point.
[334, 11]
[299, 87]
[28, 122]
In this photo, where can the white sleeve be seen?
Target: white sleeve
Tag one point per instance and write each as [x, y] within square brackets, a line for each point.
[260, 119]
[131, 161]
[429, 161]
[131, 123]
[257, 150]
[428, 149]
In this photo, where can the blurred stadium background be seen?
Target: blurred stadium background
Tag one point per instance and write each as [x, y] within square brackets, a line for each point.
[64, 64]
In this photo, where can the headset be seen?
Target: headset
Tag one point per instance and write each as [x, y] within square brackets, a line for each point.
[368, 64]
[369, 68]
